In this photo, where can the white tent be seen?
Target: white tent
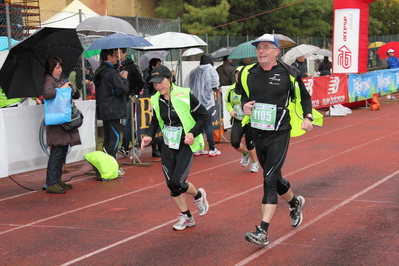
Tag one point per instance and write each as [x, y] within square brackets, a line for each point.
[69, 16]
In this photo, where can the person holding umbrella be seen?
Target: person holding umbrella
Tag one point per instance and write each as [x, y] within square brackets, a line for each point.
[112, 88]
[393, 62]
[181, 118]
[56, 137]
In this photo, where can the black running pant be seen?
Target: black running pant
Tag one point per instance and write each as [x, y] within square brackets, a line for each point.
[271, 148]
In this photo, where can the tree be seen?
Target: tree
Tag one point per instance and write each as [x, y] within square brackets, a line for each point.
[311, 17]
[383, 17]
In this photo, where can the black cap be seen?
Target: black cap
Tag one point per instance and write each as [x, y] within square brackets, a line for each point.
[159, 73]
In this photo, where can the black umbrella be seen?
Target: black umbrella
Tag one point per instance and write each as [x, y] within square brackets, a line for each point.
[23, 70]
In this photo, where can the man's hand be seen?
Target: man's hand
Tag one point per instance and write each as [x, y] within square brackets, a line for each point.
[307, 125]
[247, 108]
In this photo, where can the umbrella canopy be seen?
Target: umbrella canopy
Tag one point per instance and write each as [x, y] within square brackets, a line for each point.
[192, 51]
[222, 52]
[244, 50]
[303, 49]
[284, 41]
[173, 40]
[376, 44]
[104, 26]
[118, 40]
[382, 51]
[145, 58]
[4, 43]
[323, 52]
[24, 68]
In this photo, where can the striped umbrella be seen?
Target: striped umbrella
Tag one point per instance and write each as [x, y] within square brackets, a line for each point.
[244, 50]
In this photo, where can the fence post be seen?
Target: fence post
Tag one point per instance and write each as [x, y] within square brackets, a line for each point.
[137, 24]
[8, 25]
[83, 65]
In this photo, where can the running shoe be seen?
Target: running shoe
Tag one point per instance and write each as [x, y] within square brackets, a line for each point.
[184, 221]
[258, 237]
[123, 152]
[296, 212]
[254, 168]
[201, 152]
[244, 160]
[121, 172]
[202, 203]
[214, 153]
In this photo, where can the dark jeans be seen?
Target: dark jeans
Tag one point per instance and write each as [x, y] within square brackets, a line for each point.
[55, 162]
[209, 131]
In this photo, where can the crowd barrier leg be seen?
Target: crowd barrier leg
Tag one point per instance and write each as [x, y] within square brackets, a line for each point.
[221, 118]
[135, 158]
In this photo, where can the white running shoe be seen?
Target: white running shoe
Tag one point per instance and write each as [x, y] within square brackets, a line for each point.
[214, 153]
[184, 222]
[296, 213]
[254, 168]
[121, 172]
[202, 203]
[201, 152]
[244, 160]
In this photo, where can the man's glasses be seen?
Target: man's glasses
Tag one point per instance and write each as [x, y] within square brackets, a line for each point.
[264, 47]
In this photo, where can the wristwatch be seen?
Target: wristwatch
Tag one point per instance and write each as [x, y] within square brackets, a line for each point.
[309, 116]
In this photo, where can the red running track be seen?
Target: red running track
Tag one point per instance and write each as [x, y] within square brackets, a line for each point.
[347, 170]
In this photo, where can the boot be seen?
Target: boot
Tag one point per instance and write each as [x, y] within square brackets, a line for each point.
[65, 185]
[55, 189]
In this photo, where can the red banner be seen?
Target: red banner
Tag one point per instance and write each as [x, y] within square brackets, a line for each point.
[327, 90]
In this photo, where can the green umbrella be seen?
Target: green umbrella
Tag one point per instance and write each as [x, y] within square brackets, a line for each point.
[91, 53]
[244, 50]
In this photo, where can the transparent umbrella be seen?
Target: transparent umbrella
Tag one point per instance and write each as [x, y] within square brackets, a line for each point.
[192, 51]
[303, 49]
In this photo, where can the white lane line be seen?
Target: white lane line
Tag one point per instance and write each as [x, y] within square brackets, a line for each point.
[100, 202]
[314, 220]
[234, 196]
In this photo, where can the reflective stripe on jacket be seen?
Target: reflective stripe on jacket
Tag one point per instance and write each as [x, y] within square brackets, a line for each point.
[295, 107]
[180, 98]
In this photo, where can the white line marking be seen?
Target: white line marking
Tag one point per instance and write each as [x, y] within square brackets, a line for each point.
[314, 220]
[242, 193]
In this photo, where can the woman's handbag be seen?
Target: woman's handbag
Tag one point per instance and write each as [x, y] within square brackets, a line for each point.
[76, 119]
[58, 110]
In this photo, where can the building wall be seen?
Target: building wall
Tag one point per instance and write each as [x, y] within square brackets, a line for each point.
[131, 8]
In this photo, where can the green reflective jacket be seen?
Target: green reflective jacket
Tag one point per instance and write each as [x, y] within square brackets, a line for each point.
[180, 98]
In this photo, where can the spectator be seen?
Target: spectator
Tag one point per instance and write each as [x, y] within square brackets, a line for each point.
[325, 67]
[203, 81]
[56, 137]
[226, 72]
[300, 65]
[112, 89]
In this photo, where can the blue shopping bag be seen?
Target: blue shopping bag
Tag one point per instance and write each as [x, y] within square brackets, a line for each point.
[58, 110]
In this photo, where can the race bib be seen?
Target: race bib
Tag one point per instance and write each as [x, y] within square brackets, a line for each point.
[172, 136]
[263, 116]
[239, 112]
